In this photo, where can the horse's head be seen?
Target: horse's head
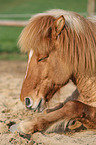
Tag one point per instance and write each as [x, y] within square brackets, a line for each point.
[46, 71]
[59, 46]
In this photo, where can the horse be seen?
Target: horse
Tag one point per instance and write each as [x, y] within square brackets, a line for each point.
[61, 46]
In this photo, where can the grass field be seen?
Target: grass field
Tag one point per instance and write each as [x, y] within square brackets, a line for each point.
[34, 6]
[9, 35]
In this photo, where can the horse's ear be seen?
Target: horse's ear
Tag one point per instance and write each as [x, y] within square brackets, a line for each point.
[58, 26]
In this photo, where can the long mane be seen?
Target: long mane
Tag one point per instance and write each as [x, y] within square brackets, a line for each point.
[77, 39]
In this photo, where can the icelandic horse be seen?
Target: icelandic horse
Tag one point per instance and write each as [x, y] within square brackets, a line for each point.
[61, 45]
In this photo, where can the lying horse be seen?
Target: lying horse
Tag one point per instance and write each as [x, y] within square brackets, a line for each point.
[61, 45]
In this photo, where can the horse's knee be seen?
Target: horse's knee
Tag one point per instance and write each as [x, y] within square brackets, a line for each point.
[73, 105]
[70, 103]
[73, 108]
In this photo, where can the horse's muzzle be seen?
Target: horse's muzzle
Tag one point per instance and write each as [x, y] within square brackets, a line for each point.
[39, 106]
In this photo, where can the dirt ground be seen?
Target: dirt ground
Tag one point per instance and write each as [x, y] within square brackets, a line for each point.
[12, 111]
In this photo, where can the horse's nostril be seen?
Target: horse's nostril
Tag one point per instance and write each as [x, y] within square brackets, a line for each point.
[28, 102]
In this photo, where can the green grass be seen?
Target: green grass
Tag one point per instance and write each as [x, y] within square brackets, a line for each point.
[9, 38]
[34, 6]
[9, 35]
[13, 56]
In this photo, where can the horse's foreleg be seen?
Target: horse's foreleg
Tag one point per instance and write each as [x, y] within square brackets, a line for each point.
[72, 110]
[74, 96]
[75, 110]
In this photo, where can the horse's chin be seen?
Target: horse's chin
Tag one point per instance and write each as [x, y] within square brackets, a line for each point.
[41, 105]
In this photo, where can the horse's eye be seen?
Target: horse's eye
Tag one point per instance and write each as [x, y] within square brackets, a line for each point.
[41, 59]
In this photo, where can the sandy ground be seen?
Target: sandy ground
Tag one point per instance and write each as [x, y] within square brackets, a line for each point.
[12, 111]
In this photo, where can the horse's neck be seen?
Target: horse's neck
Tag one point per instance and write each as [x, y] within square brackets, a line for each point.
[87, 88]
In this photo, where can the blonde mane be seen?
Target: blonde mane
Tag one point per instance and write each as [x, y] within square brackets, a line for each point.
[77, 39]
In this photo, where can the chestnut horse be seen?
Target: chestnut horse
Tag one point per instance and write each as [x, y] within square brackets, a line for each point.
[61, 45]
